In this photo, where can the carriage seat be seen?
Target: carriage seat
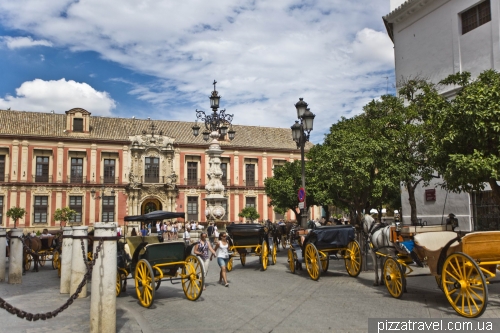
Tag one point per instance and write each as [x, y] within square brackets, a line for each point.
[434, 241]
[133, 242]
[47, 242]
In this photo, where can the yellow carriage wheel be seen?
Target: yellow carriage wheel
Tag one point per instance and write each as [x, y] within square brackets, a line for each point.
[42, 259]
[59, 270]
[89, 256]
[352, 258]
[243, 258]
[192, 278]
[27, 261]
[118, 283]
[264, 253]
[311, 257]
[230, 263]
[283, 241]
[144, 283]
[464, 285]
[325, 262]
[274, 253]
[394, 277]
[56, 259]
[291, 260]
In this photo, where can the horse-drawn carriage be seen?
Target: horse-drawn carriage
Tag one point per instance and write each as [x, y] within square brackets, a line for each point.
[315, 247]
[47, 248]
[149, 262]
[251, 239]
[461, 265]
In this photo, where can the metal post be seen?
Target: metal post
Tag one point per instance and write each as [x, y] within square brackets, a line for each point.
[103, 288]
[3, 235]
[303, 165]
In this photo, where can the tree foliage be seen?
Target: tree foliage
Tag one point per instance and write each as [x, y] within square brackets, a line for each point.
[16, 213]
[249, 213]
[466, 147]
[64, 214]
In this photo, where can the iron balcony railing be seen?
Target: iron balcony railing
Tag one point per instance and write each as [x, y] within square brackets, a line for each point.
[192, 181]
[42, 179]
[109, 180]
[76, 179]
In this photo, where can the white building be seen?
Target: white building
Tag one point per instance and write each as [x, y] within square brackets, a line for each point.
[433, 39]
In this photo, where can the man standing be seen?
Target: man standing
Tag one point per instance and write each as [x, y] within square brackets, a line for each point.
[210, 232]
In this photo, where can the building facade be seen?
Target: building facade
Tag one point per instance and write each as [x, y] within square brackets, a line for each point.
[433, 39]
[107, 168]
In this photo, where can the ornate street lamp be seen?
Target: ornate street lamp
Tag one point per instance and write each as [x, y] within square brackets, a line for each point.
[300, 134]
[217, 124]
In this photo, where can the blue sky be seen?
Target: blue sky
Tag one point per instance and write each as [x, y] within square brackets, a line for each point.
[158, 59]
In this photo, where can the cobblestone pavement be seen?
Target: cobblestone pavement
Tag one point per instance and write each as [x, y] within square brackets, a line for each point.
[256, 301]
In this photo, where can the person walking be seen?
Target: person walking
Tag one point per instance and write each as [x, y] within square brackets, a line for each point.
[201, 249]
[211, 232]
[222, 257]
[187, 236]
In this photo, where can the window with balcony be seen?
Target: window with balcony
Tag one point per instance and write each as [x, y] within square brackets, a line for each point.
[192, 208]
[250, 174]
[42, 169]
[109, 171]
[476, 16]
[1, 210]
[77, 124]
[75, 203]
[223, 167]
[40, 209]
[152, 170]
[250, 202]
[76, 170]
[192, 173]
[108, 209]
[2, 168]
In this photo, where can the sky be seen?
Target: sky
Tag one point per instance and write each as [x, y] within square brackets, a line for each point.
[158, 59]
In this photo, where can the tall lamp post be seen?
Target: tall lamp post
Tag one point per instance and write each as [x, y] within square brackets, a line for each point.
[300, 134]
[217, 125]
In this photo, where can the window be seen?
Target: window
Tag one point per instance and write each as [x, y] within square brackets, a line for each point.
[108, 209]
[42, 169]
[2, 168]
[109, 171]
[77, 125]
[75, 203]
[192, 208]
[76, 170]
[223, 167]
[224, 205]
[152, 170]
[192, 173]
[250, 174]
[40, 209]
[250, 202]
[1, 210]
[476, 16]
[278, 164]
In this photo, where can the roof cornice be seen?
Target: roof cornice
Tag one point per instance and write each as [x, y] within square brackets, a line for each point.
[406, 10]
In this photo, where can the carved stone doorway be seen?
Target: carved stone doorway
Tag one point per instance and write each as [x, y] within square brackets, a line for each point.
[150, 205]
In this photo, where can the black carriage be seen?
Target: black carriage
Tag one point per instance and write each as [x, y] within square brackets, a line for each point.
[315, 248]
[251, 239]
[150, 262]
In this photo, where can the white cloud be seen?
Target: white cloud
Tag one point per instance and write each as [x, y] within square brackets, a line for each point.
[60, 96]
[22, 42]
[265, 54]
[42, 57]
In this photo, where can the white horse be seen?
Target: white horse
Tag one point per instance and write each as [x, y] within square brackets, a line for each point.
[379, 238]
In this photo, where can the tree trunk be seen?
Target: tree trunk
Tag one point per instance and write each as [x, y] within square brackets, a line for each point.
[413, 203]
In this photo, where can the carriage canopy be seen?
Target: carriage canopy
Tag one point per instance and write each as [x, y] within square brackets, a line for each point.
[156, 215]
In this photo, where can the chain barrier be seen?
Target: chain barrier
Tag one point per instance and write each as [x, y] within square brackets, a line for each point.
[52, 314]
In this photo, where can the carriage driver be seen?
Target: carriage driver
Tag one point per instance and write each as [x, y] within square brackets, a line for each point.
[45, 234]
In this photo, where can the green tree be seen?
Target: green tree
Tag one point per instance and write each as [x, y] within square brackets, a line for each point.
[283, 187]
[466, 149]
[16, 213]
[64, 215]
[249, 213]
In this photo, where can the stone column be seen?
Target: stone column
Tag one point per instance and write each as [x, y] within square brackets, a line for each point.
[103, 290]
[66, 256]
[16, 257]
[3, 235]
[78, 267]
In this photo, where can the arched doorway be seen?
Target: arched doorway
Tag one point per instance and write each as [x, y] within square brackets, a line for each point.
[150, 205]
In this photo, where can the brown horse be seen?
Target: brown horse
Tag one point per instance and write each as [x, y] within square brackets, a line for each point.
[35, 245]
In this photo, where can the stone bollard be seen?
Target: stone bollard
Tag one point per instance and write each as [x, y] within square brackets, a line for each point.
[3, 252]
[66, 255]
[16, 257]
[103, 289]
[78, 266]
